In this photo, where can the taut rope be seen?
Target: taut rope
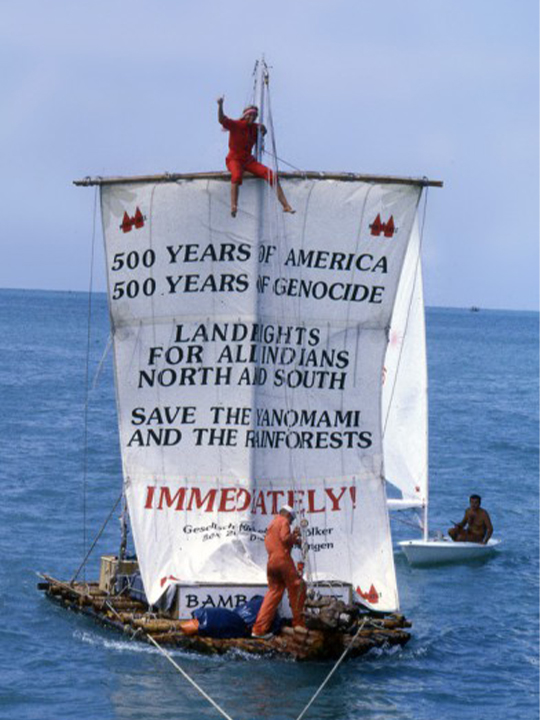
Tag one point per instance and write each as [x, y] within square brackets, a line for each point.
[93, 545]
[87, 368]
[190, 680]
[332, 671]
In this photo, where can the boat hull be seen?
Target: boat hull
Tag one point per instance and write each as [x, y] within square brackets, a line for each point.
[438, 552]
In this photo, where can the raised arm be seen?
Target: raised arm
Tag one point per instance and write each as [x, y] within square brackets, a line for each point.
[288, 538]
[221, 114]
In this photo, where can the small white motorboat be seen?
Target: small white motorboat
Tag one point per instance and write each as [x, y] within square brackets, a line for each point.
[439, 550]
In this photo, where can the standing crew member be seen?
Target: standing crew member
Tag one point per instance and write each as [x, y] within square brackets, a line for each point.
[242, 138]
[476, 524]
[281, 574]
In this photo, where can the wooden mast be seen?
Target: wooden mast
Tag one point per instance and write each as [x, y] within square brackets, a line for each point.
[261, 79]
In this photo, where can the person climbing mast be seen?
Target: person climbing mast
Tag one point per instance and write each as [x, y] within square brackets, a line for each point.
[242, 137]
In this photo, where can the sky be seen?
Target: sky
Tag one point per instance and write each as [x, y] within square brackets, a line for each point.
[446, 89]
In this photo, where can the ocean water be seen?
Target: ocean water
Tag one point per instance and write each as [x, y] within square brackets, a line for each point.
[474, 651]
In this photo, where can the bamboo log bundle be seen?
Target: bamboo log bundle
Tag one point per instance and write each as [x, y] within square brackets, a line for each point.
[121, 601]
[56, 590]
[96, 592]
[117, 604]
[396, 620]
[252, 647]
[135, 620]
[393, 637]
[382, 636]
[130, 617]
[87, 589]
[391, 621]
[304, 643]
[360, 646]
[197, 643]
[153, 625]
[329, 613]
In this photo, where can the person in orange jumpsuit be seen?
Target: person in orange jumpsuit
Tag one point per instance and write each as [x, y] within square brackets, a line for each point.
[281, 573]
[242, 138]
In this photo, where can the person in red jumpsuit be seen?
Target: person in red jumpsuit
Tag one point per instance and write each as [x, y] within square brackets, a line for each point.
[242, 138]
[281, 573]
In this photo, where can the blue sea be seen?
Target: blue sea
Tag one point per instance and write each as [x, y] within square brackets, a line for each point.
[474, 651]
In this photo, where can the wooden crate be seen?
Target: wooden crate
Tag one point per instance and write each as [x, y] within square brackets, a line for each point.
[111, 568]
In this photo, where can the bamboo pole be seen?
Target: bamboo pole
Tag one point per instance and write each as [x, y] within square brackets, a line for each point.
[225, 176]
[64, 586]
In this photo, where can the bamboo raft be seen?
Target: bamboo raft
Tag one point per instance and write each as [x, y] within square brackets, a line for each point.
[322, 640]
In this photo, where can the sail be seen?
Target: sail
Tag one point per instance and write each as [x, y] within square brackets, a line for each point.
[249, 358]
[405, 401]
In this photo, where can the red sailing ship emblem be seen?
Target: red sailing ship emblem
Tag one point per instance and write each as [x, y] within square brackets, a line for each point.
[169, 578]
[372, 596]
[137, 221]
[379, 227]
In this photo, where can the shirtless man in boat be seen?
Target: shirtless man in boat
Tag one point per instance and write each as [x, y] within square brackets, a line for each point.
[242, 138]
[476, 524]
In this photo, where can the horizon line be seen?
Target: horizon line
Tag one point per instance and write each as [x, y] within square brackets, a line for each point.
[427, 306]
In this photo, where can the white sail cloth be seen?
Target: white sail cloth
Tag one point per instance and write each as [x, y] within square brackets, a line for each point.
[405, 388]
[249, 359]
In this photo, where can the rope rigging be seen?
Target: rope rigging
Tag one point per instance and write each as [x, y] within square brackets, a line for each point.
[222, 712]
[100, 533]
[277, 231]
[188, 678]
[278, 234]
[89, 387]
[87, 369]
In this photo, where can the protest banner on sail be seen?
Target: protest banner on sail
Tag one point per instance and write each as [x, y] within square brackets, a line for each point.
[249, 359]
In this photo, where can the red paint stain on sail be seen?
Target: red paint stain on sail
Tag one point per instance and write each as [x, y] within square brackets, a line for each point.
[372, 596]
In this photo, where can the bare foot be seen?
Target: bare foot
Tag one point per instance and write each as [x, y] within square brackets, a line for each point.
[234, 210]
[289, 209]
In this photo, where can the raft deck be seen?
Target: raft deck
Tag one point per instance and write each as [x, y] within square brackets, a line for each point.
[136, 620]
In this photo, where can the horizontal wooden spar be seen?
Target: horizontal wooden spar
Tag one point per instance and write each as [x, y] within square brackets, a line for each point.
[308, 175]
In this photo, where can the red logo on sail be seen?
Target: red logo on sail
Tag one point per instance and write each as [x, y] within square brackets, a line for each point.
[170, 578]
[372, 596]
[137, 221]
[378, 227]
